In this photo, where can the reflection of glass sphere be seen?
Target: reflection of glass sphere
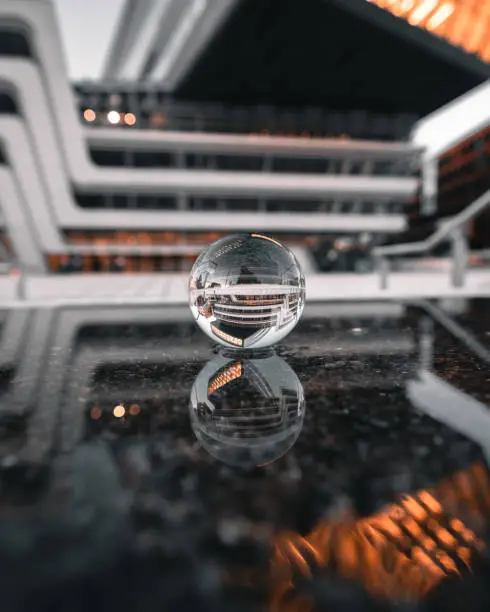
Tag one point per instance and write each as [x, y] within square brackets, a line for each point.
[248, 411]
[246, 291]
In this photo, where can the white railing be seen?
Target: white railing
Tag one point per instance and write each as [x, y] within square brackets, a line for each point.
[453, 231]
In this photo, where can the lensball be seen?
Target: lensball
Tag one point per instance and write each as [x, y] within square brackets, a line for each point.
[246, 291]
[247, 411]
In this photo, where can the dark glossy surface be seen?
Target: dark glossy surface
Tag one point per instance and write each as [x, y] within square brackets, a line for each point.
[109, 501]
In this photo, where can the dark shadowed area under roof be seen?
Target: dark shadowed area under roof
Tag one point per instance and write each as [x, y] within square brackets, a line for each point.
[339, 55]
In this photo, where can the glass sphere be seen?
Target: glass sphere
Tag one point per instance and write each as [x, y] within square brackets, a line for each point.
[247, 412]
[246, 291]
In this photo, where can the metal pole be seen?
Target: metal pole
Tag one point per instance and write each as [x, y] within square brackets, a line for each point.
[21, 287]
[180, 162]
[459, 244]
[383, 269]
[430, 172]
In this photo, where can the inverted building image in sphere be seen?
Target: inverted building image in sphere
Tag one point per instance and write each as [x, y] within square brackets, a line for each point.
[247, 411]
[246, 291]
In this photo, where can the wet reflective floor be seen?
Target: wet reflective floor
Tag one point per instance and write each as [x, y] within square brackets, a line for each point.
[143, 468]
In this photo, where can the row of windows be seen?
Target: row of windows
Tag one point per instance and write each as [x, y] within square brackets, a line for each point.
[337, 126]
[460, 175]
[169, 237]
[459, 163]
[158, 159]
[150, 202]
[332, 253]
[388, 129]
[75, 264]
[326, 256]
[158, 110]
[231, 162]
[124, 237]
[474, 144]
[454, 200]
[463, 177]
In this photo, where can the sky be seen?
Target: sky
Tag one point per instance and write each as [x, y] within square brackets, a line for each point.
[87, 28]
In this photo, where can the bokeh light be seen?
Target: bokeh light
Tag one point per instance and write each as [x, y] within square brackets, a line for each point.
[89, 115]
[119, 411]
[113, 117]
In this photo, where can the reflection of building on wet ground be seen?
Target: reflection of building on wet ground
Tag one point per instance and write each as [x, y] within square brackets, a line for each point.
[404, 551]
[112, 336]
[109, 370]
[365, 330]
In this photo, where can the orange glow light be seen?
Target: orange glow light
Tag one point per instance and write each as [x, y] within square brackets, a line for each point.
[129, 118]
[423, 10]
[119, 411]
[89, 115]
[267, 238]
[440, 16]
[96, 413]
[134, 409]
[227, 337]
[223, 378]
[402, 551]
[460, 22]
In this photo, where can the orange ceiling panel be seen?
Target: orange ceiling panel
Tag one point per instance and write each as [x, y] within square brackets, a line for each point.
[463, 23]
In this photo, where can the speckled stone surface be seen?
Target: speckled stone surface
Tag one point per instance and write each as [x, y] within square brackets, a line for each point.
[371, 489]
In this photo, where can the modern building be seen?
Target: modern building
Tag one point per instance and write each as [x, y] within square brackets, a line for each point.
[300, 133]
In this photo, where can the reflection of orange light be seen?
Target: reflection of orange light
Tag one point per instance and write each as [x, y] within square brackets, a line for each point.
[267, 238]
[430, 502]
[233, 372]
[95, 413]
[119, 411]
[404, 550]
[226, 337]
[134, 409]
[89, 115]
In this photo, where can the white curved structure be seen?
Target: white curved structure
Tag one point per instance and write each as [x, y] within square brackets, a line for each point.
[23, 78]
[58, 205]
[39, 22]
[27, 178]
[23, 238]
[454, 122]
[48, 154]
[158, 40]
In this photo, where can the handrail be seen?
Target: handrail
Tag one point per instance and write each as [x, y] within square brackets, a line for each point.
[440, 234]
[455, 329]
[450, 230]
[249, 144]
